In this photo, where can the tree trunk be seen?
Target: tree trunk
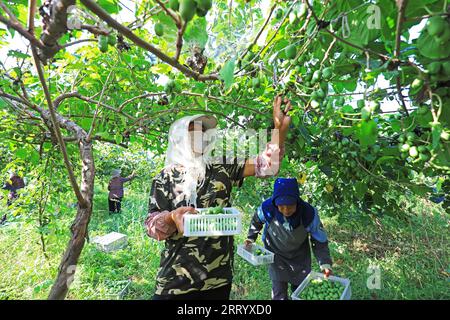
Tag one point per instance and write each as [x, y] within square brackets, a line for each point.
[79, 226]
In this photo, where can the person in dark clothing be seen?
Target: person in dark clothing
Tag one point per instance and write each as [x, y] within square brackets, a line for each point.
[291, 227]
[14, 183]
[115, 188]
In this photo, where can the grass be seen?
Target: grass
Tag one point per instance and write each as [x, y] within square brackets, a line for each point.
[412, 255]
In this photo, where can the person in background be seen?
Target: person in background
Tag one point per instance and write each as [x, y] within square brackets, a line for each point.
[115, 188]
[291, 227]
[14, 183]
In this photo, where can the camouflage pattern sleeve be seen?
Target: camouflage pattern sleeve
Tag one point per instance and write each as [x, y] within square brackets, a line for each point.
[159, 194]
[157, 226]
[235, 171]
[159, 208]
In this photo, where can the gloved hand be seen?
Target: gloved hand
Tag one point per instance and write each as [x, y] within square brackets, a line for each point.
[176, 217]
[326, 269]
[248, 243]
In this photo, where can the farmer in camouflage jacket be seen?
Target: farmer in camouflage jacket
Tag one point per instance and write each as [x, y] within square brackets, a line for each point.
[201, 267]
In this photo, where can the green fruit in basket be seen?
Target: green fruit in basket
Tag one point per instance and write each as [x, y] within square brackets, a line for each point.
[319, 289]
[218, 210]
[259, 252]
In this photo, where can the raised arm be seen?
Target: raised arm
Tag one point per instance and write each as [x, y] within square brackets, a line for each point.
[268, 162]
[130, 177]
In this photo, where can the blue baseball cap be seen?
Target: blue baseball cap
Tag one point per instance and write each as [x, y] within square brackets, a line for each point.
[285, 200]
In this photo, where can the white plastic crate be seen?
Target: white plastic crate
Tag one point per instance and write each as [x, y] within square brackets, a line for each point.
[117, 289]
[206, 225]
[346, 294]
[250, 255]
[110, 242]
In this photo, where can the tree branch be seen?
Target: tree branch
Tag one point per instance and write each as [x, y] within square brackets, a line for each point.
[343, 40]
[179, 45]
[31, 14]
[426, 16]
[82, 202]
[97, 138]
[102, 14]
[14, 98]
[222, 101]
[16, 25]
[400, 18]
[260, 32]
[75, 94]
[398, 32]
[77, 42]
[8, 12]
[170, 13]
[96, 108]
[217, 113]
[138, 97]
[94, 29]
[271, 39]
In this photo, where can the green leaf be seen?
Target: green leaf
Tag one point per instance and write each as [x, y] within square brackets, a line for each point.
[443, 157]
[17, 54]
[360, 189]
[3, 103]
[436, 134]
[430, 48]
[304, 133]
[420, 190]
[367, 133]
[201, 101]
[360, 34]
[22, 153]
[196, 32]
[12, 32]
[416, 8]
[424, 120]
[378, 199]
[86, 123]
[347, 109]
[109, 6]
[350, 85]
[327, 170]
[390, 151]
[227, 73]
[34, 157]
[385, 159]
[445, 115]
[396, 125]
[348, 131]
[118, 138]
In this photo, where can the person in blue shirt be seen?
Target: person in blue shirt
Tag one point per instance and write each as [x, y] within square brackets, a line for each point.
[291, 228]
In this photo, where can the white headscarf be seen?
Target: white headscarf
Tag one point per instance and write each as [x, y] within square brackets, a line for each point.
[116, 173]
[180, 153]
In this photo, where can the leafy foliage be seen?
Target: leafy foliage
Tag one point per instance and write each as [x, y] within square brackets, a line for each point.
[371, 97]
